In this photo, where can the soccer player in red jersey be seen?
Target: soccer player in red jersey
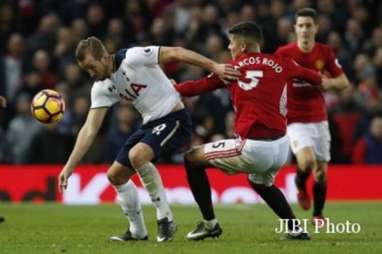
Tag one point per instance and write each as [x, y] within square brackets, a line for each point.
[261, 146]
[307, 118]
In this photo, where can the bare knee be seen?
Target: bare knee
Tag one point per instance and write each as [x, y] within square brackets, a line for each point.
[306, 159]
[320, 174]
[116, 179]
[190, 155]
[140, 154]
[307, 165]
[118, 174]
[195, 157]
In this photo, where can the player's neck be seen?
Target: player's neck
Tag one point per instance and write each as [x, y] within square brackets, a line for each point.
[305, 45]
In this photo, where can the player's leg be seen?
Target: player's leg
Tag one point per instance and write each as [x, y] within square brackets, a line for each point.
[319, 191]
[161, 136]
[276, 200]
[128, 199]
[302, 144]
[268, 158]
[140, 157]
[306, 163]
[195, 164]
[2, 219]
[322, 150]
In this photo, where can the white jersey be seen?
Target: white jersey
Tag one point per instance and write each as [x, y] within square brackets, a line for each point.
[140, 80]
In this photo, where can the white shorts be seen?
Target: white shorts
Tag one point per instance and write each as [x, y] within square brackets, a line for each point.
[315, 135]
[260, 159]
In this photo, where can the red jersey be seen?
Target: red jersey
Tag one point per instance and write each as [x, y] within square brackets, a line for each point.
[259, 96]
[306, 103]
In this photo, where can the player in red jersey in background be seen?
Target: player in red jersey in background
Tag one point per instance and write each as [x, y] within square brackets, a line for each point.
[261, 146]
[308, 129]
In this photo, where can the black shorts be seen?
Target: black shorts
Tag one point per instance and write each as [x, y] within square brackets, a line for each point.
[164, 135]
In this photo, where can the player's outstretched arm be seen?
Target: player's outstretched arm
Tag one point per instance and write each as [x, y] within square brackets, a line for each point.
[225, 71]
[84, 140]
[195, 87]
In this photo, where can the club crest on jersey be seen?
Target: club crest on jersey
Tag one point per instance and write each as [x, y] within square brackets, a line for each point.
[319, 64]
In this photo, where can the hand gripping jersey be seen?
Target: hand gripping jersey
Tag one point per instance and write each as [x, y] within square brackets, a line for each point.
[305, 103]
[139, 79]
[259, 96]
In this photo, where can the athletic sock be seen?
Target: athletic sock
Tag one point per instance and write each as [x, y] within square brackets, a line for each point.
[277, 201]
[153, 183]
[128, 199]
[201, 190]
[319, 195]
[301, 178]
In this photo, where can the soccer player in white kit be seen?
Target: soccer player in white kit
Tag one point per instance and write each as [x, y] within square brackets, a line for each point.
[135, 75]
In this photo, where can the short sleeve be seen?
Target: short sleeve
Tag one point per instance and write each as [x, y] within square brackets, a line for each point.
[143, 56]
[333, 66]
[102, 94]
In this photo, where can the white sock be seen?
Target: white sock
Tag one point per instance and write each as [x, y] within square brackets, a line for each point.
[153, 184]
[129, 201]
[210, 224]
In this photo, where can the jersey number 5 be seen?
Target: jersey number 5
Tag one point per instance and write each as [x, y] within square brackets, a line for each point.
[254, 80]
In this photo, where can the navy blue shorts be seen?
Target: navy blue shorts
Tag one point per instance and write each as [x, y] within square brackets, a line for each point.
[164, 135]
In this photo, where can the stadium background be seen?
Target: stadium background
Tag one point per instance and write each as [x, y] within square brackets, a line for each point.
[37, 45]
[37, 42]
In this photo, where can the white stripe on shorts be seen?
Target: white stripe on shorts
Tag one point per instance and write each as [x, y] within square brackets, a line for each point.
[164, 141]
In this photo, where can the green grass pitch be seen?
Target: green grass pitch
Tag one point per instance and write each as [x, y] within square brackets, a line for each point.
[52, 228]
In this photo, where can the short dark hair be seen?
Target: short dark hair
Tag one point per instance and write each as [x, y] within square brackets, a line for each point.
[91, 45]
[307, 12]
[248, 29]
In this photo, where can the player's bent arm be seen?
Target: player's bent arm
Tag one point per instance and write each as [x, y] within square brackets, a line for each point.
[187, 56]
[190, 57]
[86, 136]
[297, 71]
[338, 84]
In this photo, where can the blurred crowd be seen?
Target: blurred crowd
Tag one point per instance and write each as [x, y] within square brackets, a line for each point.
[38, 38]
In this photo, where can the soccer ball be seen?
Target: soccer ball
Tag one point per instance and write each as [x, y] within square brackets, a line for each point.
[48, 106]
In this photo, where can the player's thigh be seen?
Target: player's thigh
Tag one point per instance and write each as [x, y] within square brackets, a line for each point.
[140, 154]
[300, 136]
[236, 155]
[123, 154]
[269, 158]
[322, 141]
[119, 174]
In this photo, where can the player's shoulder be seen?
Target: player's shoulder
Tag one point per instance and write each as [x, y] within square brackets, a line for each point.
[324, 48]
[137, 50]
[120, 55]
[286, 49]
[101, 86]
